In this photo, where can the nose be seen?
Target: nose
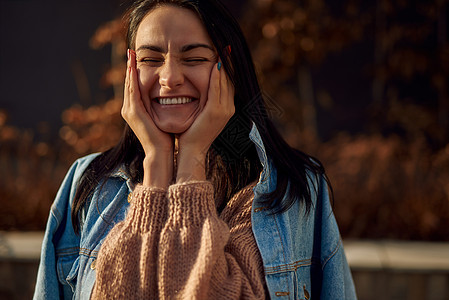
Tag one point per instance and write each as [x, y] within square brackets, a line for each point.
[170, 74]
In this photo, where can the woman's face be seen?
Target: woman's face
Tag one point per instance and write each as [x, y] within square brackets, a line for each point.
[175, 58]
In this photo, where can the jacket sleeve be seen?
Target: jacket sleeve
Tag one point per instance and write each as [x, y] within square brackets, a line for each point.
[338, 283]
[60, 245]
[172, 244]
[337, 280]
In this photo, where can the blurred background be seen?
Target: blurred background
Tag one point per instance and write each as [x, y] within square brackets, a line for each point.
[361, 85]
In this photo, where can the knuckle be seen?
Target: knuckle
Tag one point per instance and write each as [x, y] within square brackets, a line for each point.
[124, 113]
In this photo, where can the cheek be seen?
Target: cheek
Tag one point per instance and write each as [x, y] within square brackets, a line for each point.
[147, 80]
[201, 79]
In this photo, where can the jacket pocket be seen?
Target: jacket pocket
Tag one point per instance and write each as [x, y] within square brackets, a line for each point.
[67, 261]
[303, 288]
[281, 285]
[309, 281]
[73, 274]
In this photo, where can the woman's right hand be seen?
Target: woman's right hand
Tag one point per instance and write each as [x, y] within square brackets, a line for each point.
[157, 145]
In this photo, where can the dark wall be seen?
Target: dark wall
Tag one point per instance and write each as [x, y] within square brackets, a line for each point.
[46, 64]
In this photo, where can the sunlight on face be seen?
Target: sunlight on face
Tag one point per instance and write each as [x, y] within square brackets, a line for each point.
[175, 58]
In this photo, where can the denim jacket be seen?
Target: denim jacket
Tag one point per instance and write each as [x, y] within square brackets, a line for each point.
[302, 254]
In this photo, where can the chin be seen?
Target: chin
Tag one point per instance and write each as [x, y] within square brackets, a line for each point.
[174, 128]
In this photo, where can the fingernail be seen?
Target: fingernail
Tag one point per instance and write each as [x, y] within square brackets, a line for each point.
[219, 65]
[127, 53]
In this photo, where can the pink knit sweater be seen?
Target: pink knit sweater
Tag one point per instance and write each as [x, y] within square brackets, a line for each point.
[173, 245]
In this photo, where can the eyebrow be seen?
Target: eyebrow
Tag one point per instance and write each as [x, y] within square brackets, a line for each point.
[150, 47]
[185, 48]
[194, 46]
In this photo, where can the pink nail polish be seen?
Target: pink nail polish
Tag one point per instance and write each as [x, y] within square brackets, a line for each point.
[227, 51]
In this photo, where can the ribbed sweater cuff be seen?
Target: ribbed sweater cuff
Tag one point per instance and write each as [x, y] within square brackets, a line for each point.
[191, 202]
[148, 208]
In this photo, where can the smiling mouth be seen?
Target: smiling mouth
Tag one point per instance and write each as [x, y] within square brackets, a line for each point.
[174, 100]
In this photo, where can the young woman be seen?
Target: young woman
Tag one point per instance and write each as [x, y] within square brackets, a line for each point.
[202, 198]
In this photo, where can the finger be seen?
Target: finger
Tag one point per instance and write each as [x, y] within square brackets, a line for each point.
[132, 104]
[132, 56]
[126, 88]
[215, 84]
[227, 93]
[224, 87]
[127, 71]
[133, 89]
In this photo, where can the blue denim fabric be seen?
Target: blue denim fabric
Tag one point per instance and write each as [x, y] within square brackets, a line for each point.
[303, 255]
[67, 266]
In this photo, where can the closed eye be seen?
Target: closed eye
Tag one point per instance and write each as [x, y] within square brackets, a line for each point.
[151, 61]
[195, 60]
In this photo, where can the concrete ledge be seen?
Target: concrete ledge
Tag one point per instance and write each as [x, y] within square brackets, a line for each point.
[398, 255]
[19, 261]
[399, 270]
[366, 255]
[20, 245]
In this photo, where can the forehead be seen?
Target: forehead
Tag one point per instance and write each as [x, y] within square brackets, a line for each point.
[171, 26]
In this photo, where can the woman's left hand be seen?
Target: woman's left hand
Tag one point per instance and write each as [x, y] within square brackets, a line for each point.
[196, 141]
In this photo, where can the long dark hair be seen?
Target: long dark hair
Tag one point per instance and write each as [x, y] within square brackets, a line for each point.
[232, 161]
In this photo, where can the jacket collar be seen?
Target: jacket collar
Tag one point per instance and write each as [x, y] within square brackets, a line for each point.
[121, 172]
[267, 179]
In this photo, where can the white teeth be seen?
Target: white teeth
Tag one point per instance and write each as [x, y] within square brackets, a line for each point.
[176, 100]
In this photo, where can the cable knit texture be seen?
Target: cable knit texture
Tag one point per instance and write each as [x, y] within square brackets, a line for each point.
[173, 245]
